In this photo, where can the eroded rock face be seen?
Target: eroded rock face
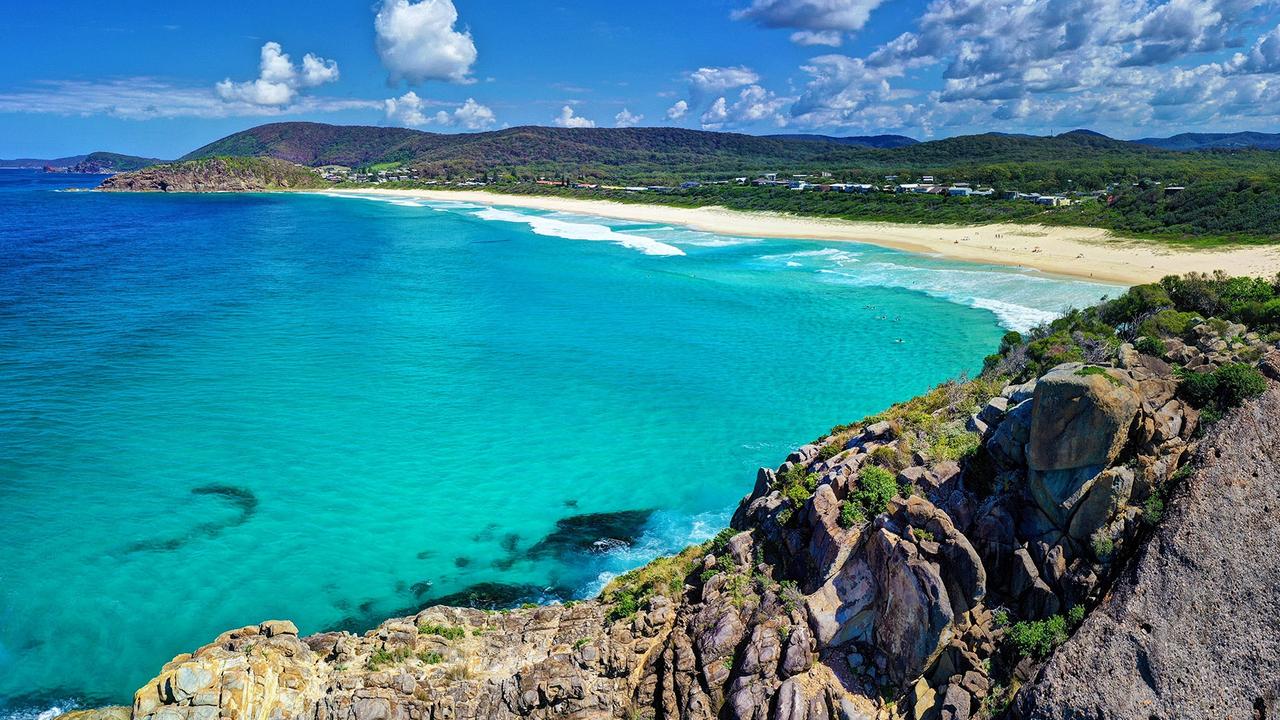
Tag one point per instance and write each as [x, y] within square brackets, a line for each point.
[1181, 635]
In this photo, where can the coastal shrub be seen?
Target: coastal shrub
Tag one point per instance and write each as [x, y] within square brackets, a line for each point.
[922, 534]
[876, 487]
[1221, 390]
[1153, 509]
[1238, 382]
[1102, 547]
[952, 442]
[1075, 616]
[893, 457]
[720, 543]
[1051, 351]
[1152, 346]
[1128, 310]
[850, 514]
[1169, 323]
[431, 658]
[1037, 638]
[448, 632]
[830, 450]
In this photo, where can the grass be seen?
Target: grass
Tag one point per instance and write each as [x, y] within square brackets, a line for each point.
[1091, 370]
[664, 576]
[382, 657]
[448, 632]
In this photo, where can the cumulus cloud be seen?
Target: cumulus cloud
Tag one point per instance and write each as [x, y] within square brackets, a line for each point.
[754, 105]
[410, 109]
[1039, 65]
[567, 119]
[678, 110]
[418, 41]
[626, 118]
[816, 22]
[279, 80]
[719, 79]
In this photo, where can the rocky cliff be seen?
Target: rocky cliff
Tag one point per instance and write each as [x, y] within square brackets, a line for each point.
[926, 563]
[216, 175]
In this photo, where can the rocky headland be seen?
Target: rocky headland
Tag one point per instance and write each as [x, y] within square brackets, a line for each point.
[1086, 530]
[218, 174]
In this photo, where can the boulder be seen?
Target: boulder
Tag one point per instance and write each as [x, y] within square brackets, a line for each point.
[1080, 422]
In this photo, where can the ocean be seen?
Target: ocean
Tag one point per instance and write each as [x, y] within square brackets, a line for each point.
[227, 408]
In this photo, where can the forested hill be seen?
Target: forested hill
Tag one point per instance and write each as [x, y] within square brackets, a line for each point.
[1080, 159]
[619, 152]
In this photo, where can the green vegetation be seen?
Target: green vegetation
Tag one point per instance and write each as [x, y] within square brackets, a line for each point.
[922, 534]
[1091, 370]
[1221, 390]
[666, 576]
[1038, 638]
[448, 632]
[382, 657]
[1226, 196]
[431, 658]
[1103, 547]
[876, 487]
[1150, 314]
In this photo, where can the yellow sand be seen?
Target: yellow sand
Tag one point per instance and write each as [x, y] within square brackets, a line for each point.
[1070, 251]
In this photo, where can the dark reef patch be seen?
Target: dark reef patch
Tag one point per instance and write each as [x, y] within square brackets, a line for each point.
[591, 533]
[242, 499]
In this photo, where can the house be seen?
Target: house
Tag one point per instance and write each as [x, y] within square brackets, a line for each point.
[1053, 201]
[927, 179]
[956, 191]
[689, 185]
[799, 185]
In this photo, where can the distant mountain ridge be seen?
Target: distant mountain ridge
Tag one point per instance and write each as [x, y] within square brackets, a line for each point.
[91, 163]
[872, 141]
[42, 162]
[649, 154]
[1215, 141]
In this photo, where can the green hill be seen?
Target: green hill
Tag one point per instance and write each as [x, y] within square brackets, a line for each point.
[109, 162]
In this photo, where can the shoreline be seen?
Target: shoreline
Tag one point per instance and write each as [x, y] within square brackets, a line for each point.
[1076, 252]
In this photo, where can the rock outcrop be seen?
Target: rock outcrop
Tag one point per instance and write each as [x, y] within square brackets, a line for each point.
[216, 175]
[872, 575]
[1188, 630]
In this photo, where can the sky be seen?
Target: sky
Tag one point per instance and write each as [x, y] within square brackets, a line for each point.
[162, 78]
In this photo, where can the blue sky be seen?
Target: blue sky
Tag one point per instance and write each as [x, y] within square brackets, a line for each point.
[161, 78]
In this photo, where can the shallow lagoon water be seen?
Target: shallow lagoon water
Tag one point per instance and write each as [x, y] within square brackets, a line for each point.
[222, 409]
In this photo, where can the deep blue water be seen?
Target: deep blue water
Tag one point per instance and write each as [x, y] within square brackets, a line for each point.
[221, 409]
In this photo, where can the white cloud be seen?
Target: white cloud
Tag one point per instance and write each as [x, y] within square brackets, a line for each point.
[417, 41]
[626, 118]
[678, 110]
[719, 79]
[1036, 66]
[474, 116]
[817, 37]
[279, 80]
[146, 98]
[754, 105]
[567, 119]
[716, 115]
[410, 109]
[817, 22]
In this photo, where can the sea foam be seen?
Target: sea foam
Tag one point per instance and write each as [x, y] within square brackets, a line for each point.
[554, 227]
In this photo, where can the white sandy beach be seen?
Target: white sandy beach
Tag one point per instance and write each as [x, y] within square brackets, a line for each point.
[1074, 252]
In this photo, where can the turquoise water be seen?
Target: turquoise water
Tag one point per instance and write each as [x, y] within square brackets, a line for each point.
[222, 409]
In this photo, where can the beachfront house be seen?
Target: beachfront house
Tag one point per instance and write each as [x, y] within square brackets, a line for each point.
[957, 191]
